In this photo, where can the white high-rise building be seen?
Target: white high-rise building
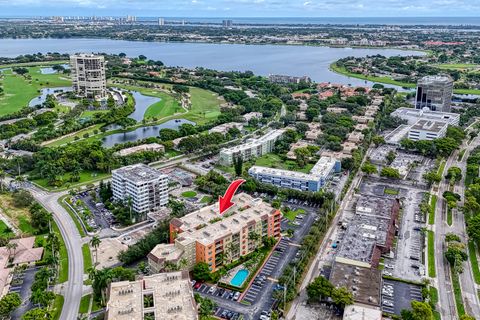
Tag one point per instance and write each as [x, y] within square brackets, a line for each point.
[88, 75]
[146, 187]
[161, 21]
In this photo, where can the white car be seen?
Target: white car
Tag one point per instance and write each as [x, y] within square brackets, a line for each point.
[212, 290]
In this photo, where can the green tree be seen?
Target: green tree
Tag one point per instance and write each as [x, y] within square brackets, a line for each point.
[391, 173]
[8, 304]
[432, 177]
[390, 156]
[342, 297]
[467, 317]
[201, 271]
[238, 165]
[473, 228]
[378, 140]
[319, 289]
[95, 243]
[368, 168]
[38, 314]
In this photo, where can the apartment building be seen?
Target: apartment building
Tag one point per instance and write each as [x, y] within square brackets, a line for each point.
[434, 93]
[153, 147]
[146, 187]
[206, 236]
[88, 75]
[163, 296]
[313, 181]
[253, 148]
[224, 128]
[275, 78]
[427, 130]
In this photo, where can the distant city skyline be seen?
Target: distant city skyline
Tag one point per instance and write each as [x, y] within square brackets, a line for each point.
[242, 8]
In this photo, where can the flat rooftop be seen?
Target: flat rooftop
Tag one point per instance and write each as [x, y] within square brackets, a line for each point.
[364, 283]
[320, 170]
[172, 296]
[428, 125]
[412, 115]
[274, 134]
[435, 79]
[139, 173]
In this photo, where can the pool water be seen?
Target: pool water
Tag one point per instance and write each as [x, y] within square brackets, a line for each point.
[239, 278]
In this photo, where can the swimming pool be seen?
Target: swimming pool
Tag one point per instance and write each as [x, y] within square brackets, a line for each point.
[239, 278]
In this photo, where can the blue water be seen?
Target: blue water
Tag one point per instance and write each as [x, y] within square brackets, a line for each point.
[50, 70]
[43, 95]
[239, 278]
[142, 102]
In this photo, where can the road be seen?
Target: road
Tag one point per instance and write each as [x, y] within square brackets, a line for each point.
[441, 228]
[73, 288]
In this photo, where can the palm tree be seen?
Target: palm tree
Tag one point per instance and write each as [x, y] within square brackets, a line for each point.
[2, 176]
[95, 243]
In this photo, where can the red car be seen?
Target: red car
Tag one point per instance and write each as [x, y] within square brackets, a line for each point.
[197, 285]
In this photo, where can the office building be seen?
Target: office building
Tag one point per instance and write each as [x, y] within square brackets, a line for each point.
[206, 236]
[434, 93]
[413, 115]
[253, 148]
[164, 296]
[88, 75]
[227, 23]
[313, 181]
[161, 21]
[427, 130]
[146, 187]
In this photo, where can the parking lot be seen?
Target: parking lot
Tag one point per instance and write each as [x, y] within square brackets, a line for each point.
[397, 296]
[21, 284]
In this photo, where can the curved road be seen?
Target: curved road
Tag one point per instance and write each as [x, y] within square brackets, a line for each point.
[73, 288]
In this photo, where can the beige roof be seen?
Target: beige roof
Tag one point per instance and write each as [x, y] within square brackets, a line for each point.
[25, 252]
[172, 298]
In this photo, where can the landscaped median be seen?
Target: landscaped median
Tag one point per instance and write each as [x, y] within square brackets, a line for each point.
[72, 214]
[431, 254]
[474, 261]
[457, 290]
[433, 208]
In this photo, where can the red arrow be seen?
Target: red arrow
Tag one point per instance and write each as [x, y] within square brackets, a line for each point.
[225, 201]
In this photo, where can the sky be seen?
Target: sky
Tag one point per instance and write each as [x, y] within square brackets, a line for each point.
[243, 8]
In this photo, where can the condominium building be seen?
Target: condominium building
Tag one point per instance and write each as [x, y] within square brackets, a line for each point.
[275, 78]
[434, 93]
[251, 149]
[313, 181]
[206, 236]
[427, 130]
[146, 187]
[164, 296]
[88, 75]
[413, 115]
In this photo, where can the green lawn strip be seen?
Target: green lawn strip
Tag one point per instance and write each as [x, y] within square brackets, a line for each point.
[436, 315]
[72, 215]
[63, 259]
[274, 161]
[86, 177]
[441, 168]
[449, 216]
[87, 258]
[85, 304]
[456, 66]
[390, 191]
[25, 225]
[434, 295]
[96, 306]
[433, 207]
[460, 155]
[90, 130]
[58, 306]
[206, 199]
[457, 290]
[474, 261]
[431, 254]
[189, 194]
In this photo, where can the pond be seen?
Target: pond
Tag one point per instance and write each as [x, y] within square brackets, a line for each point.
[50, 70]
[46, 91]
[142, 102]
[142, 132]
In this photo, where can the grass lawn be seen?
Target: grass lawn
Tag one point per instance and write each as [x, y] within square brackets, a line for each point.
[460, 155]
[58, 306]
[226, 169]
[189, 194]
[5, 232]
[274, 161]
[458, 294]
[85, 304]
[206, 199]
[85, 178]
[87, 257]
[433, 207]
[95, 306]
[34, 64]
[431, 254]
[63, 273]
[474, 261]
[90, 130]
[19, 91]
[441, 168]
[72, 215]
[291, 214]
[205, 106]
[449, 216]
[91, 113]
[19, 217]
[390, 191]
[457, 66]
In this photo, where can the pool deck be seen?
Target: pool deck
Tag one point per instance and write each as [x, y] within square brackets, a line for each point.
[231, 274]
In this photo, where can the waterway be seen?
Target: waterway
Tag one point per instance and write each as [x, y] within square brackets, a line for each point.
[142, 132]
[312, 61]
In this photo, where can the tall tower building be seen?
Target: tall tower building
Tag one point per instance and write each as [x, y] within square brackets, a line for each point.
[88, 75]
[161, 21]
[434, 93]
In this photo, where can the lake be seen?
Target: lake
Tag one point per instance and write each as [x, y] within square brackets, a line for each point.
[261, 59]
[142, 102]
[46, 91]
[142, 132]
